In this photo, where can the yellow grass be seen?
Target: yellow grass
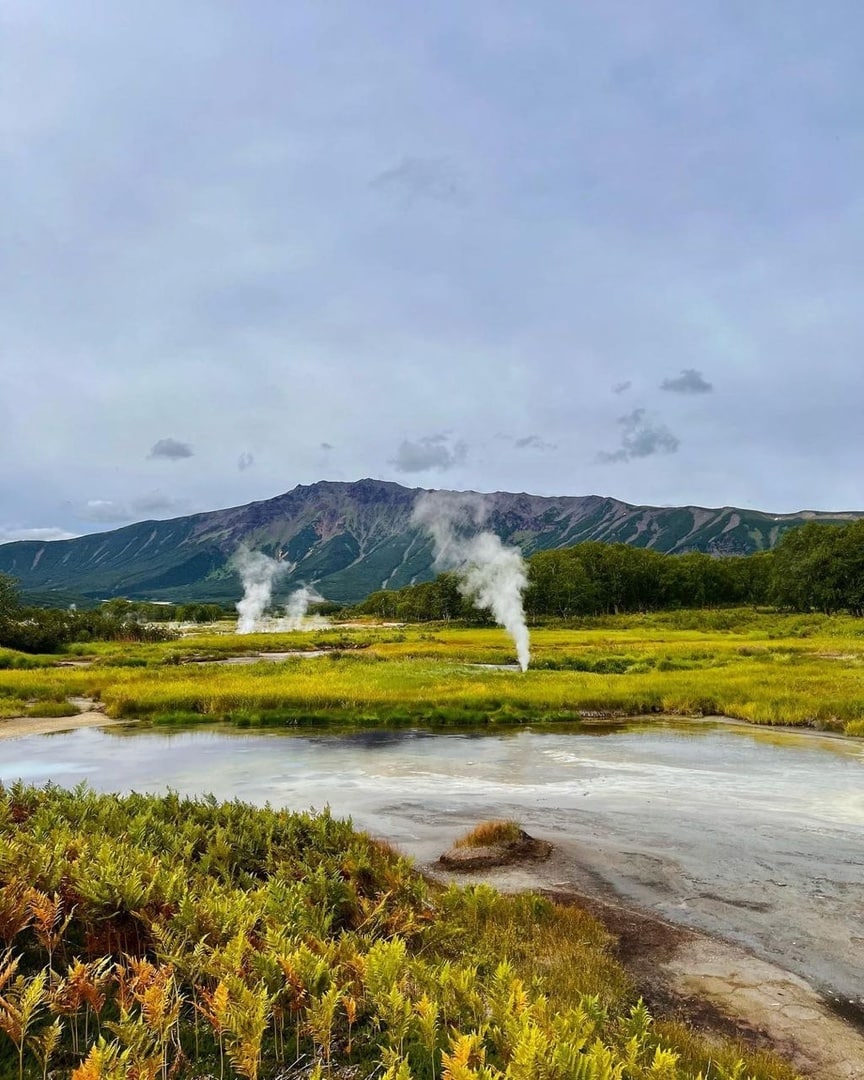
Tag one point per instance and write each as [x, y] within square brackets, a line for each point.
[765, 669]
[488, 833]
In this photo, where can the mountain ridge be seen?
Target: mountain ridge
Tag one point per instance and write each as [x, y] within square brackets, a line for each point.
[353, 537]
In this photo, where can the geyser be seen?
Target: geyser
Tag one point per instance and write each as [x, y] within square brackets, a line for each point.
[298, 605]
[258, 572]
[491, 574]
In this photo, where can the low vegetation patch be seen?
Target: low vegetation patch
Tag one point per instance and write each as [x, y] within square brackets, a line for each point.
[52, 708]
[495, 843]
[156, 937]
[488, 833]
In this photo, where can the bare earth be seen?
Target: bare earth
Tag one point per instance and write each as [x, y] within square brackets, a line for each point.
[19, 726]
[718, 987]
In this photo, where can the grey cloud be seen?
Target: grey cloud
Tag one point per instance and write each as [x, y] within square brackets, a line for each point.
[690, 381]
[534, 442]
[430, 452]
[417, 178]
[157, 503]
[641, 437]
[172, 449]
[245, 263]
[245, 461]
[622, 387]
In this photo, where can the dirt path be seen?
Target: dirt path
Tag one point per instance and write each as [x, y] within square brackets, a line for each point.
[717, 987]
[19, 726]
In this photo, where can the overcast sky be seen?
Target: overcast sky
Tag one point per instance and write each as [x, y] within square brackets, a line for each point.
[598, 247]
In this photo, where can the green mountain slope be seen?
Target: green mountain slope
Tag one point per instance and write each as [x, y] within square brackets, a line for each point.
[353, 538]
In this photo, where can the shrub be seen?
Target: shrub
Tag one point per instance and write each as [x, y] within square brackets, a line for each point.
[488, 833]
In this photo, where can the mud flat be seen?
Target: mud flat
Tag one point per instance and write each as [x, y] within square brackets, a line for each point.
[261, 657]
[686, 974]
[18, 727]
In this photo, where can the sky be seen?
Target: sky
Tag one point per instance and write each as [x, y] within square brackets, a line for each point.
[604, 247]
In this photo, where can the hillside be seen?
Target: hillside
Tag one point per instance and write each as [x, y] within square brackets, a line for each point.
[353, 538]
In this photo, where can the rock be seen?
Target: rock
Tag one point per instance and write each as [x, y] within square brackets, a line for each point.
[524, 849]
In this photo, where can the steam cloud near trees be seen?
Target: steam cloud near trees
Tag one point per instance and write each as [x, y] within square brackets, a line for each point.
[491, 574]
[259, 574]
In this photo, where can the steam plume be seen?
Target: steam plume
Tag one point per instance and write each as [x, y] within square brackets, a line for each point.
[491, 574]
[258, 572]
[298, 605]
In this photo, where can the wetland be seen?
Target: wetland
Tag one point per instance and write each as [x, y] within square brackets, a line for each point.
[736, 832]
[750, 834]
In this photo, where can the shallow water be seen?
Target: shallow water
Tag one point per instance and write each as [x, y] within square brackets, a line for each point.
[264, 658]
[752, 833]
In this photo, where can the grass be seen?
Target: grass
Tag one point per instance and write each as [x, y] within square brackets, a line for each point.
[52, 708]
[758, 667]
[488, 833]
[10, 658]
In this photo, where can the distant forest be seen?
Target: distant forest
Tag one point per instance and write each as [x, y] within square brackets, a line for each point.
[814, 568]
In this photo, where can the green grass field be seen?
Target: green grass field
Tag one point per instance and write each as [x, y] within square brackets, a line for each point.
[762, 668]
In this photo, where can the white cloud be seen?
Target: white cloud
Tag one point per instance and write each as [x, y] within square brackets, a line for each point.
[9, 534]
[104, 511]
[115, 512]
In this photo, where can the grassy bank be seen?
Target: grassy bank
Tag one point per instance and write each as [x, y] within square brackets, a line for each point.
[766, 669]
[160, 937]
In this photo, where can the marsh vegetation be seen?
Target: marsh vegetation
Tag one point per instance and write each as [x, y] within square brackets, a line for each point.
[763, 668]
[487, 833]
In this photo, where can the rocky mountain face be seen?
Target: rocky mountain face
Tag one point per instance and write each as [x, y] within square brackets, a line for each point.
[353, 538]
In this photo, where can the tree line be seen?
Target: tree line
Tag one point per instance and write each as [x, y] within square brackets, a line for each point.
[146, 611]
[45, 630]
[813, 568]
[820, 568]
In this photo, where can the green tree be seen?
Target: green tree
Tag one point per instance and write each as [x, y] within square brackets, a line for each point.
[10, 601]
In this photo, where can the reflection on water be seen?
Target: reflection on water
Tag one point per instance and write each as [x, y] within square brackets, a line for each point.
[751, 833]
[727, 770]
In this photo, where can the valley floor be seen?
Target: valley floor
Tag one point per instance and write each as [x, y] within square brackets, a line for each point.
[762, 668]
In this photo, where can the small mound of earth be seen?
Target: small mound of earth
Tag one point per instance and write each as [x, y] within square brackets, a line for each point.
[507, 853]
